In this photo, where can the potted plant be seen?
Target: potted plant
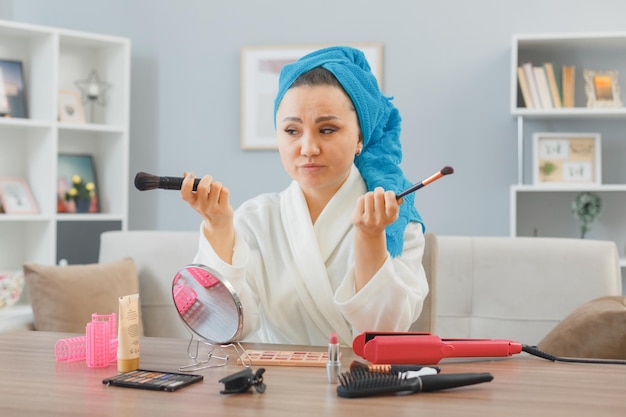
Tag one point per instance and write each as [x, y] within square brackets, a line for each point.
[586, 208]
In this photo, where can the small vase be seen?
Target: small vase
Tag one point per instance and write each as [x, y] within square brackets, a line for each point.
[82, 205]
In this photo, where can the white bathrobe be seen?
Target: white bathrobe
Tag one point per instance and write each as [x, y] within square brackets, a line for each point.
[295, 279]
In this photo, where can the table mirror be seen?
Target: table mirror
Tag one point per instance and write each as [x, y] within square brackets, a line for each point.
[210, 309]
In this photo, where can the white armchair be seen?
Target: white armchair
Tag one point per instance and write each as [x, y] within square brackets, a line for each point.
[519, 288]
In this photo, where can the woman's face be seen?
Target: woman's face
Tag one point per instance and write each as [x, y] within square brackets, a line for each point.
[318, 136]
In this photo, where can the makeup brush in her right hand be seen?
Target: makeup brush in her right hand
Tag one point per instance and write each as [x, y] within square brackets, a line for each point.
[145, 181]
[444, 171]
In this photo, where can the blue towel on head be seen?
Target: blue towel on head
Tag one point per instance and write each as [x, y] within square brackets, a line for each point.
[379, 120]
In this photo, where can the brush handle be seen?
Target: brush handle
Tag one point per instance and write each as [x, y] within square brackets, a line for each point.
[444, 171]
[446, 381]
[396, 369]
[410, 190]
[175, 183]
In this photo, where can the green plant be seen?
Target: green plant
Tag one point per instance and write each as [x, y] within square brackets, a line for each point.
[80, 190]
[586, 207]
[548, 168]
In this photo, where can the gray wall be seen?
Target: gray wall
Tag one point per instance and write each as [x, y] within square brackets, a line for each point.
[445, 61]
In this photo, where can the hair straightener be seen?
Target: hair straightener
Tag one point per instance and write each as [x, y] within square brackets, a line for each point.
[425, 348]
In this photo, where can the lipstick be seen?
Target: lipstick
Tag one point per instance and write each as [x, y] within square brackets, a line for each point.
[333, 366]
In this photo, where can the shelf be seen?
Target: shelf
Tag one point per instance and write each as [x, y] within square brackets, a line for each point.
[89, 217]
[569, 188]
[55, 59]
[567, 113]
[546, 209]
[24, 218]
[91, 127]
[7, 122]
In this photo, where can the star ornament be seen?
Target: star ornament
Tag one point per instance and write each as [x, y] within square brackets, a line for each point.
[92, 89]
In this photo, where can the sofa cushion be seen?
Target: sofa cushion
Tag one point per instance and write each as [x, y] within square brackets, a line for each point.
[63, 298]
[597, 329]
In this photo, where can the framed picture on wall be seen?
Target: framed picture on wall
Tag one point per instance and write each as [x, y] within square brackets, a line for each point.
[12, 89]
[260, 69]
[16, 197]
[77, 188]
[567, 159]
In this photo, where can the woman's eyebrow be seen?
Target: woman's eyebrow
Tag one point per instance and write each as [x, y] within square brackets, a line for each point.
[318, 120]
[326, 118]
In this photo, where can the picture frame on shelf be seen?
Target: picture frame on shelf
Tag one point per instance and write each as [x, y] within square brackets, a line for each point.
[260, 70]
[602, 89]
[70, 107]
[16, 197]
[567, 159]
[12, 89]
[77, 185]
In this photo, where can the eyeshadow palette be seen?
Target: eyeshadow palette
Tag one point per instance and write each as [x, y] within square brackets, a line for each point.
[152, 380]
[286, 358]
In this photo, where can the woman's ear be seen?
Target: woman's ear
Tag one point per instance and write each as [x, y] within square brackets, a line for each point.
[359, 145]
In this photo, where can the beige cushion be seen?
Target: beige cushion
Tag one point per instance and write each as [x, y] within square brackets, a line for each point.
[597, 329]
[64, 297]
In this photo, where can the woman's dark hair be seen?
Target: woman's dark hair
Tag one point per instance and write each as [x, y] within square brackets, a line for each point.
[317, 76]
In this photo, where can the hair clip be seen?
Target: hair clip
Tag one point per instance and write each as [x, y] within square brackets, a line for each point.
[242, 381]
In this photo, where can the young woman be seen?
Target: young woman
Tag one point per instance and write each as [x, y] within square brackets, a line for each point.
[335, 251]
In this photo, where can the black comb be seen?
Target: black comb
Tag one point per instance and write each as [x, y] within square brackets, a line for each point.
[361, 383]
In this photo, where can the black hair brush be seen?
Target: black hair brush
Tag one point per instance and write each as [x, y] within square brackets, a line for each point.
[361, 383]
[145, 181]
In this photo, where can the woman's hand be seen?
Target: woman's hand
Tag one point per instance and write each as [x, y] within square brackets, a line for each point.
[374, 211]
[211, 201]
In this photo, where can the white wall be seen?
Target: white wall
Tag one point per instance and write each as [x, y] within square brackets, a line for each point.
[445, 61]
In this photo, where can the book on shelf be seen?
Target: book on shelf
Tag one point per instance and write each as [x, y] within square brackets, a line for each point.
[524, 88]
[569, 85]
[554, 84]
[532, 84]
[542, 87]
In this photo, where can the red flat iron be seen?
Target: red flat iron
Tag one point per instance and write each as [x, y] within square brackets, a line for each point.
[426, 348]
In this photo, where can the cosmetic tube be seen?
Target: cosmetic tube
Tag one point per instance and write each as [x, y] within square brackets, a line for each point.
[333, 365]
[128, 333]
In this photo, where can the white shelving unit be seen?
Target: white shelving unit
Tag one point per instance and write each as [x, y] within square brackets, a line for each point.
[54, 59]
[545, 210]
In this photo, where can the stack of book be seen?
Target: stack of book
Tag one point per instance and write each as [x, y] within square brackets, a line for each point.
[543, 87]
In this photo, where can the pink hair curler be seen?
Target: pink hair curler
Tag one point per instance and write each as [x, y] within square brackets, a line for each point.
[70, 349]
[98, 347]
[184, 297]
[204, 278]
[98, 336]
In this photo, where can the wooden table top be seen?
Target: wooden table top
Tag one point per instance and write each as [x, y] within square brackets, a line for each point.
[33, 383]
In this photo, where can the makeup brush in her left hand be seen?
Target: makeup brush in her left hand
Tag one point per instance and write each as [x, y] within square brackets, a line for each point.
[145, 181]
[444, 171]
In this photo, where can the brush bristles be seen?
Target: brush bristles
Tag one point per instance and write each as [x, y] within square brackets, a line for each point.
[383, 369]
[145, 181]
[447, 170]
[362, 383]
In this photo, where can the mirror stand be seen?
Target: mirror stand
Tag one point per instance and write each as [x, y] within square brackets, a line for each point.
[212, 360]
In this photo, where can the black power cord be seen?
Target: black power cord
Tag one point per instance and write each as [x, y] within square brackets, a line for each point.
[533, 350]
